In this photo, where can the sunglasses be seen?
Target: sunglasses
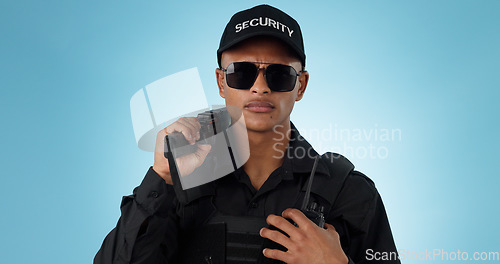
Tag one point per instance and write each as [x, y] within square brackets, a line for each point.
[279, 77]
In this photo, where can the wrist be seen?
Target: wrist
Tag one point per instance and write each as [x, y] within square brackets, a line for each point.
[163, 174]
[336, 259]
[344, 259]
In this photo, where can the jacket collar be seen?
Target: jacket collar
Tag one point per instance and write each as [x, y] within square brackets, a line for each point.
[302, 164]
[300, 155]
[298, 160]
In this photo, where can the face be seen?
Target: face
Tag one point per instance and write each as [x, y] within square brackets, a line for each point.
[262, 108]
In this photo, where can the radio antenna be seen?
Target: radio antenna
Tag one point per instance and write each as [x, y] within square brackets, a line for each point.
[309, 185]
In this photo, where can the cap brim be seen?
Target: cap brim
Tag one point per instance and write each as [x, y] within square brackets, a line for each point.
[281, 37]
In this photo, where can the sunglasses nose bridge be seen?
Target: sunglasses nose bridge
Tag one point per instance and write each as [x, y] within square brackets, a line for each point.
[260, 84]
[259, 70]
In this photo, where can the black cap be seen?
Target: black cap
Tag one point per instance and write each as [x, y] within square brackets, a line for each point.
[262, 20]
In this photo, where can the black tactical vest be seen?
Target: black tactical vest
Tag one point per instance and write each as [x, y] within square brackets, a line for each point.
[224, 239]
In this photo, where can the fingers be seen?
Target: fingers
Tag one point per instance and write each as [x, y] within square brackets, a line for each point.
[298, 217]
[281, 223]
[201, 153]
[188, 163]
[188, 126]
[331, 229]
[276, 236]
[304, 244]
[276, 254]
[160, 136]
[193, 125]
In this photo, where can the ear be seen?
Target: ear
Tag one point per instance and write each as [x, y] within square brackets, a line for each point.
[220, 81]
[303, 80]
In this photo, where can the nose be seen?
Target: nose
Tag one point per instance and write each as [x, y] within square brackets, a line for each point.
[260, 84]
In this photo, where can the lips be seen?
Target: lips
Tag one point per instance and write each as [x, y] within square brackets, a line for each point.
[259, 106]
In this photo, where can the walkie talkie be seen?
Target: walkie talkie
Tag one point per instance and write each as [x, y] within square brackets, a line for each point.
[313, 211]
[212, 122]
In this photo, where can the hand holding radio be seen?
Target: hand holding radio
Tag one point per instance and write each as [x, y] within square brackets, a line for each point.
[303, 240]
[302, 236]
[189, 129]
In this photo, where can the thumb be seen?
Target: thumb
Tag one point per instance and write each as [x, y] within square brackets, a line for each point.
[188, 163]
[205, 147]
[202, 152]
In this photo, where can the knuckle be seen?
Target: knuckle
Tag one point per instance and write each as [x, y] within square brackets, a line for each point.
[309, 226]
[281, 221]
[198, 157]
[160, 134]
[192, 119]
[293, 247]
[171, 127]
[272, 235]
[299, 237]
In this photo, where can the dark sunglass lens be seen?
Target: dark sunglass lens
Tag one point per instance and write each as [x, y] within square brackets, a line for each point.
[241, 75]
[281, 78]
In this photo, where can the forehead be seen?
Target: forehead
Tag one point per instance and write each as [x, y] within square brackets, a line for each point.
[260, 49]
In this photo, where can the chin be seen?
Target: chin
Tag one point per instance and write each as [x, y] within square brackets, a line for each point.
[261, 124]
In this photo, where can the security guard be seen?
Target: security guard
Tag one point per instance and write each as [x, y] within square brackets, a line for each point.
[251, 215]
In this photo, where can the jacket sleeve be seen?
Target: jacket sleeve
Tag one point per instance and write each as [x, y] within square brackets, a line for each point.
[368, 237]
[148, 226]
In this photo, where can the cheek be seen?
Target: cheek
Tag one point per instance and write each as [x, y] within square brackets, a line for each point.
[232, 96]
[287, 104]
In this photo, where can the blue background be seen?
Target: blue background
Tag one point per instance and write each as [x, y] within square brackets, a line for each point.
[69, 68]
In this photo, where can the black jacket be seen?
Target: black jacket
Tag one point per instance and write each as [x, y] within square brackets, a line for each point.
[152, 220]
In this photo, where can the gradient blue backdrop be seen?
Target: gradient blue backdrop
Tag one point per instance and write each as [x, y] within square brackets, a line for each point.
[426, 68]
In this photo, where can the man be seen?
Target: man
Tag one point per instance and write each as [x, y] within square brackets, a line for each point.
[262, 73]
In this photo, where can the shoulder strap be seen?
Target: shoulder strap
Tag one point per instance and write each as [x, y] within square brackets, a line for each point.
[328, 186]
[338, 165]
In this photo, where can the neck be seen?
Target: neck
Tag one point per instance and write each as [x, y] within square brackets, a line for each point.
[267, 151]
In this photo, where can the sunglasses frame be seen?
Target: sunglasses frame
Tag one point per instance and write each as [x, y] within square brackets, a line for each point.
[297, 74]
